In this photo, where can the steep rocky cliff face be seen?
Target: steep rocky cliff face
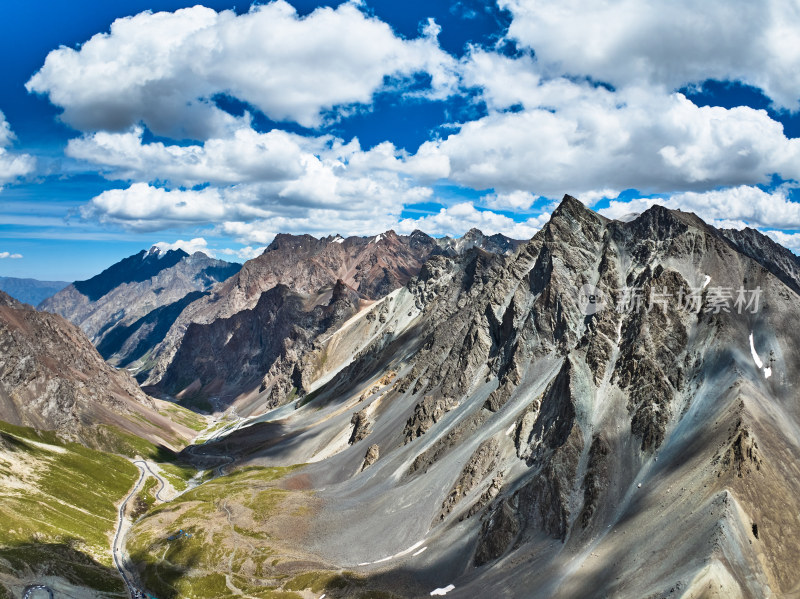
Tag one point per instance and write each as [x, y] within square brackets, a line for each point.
[52, 378]
[371, 266]
[772, 256]
[259, 351]
[538, 444]
[129, 307]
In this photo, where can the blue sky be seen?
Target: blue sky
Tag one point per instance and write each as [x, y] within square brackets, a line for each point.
[215, 127]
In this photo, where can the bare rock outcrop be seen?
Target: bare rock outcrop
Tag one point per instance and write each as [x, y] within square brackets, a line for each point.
[427, 413]
[372, 455]
[480, 465]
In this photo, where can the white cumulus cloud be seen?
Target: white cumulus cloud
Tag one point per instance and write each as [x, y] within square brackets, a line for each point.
[514, 200]
[245, 253]
[198, 244]
[572, 136]
[12, 165]
[728, 208]
[249, 176]
[458, 219]
[163, 69]
[4, 255]
[634, 42]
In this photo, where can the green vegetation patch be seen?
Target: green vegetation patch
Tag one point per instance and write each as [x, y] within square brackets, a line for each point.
[58, 508]
[187, 418]
[183, 547]
[65, 491]
[317, 582]
[178, 475]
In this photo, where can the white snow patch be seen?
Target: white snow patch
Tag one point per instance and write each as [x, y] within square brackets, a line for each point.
[377, 238]
[757, 359]
[338, 240]
[416, 553]
[707, 281]
[364, 564]
[511, 428]
[410, 549]
[401, 554]
[443, 591]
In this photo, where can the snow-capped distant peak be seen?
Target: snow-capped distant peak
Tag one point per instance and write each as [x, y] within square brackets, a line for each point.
[338, 239]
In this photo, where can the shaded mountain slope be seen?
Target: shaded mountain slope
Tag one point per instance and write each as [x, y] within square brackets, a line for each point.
[52, 378]
[256, 352]
[774, 257]
[127, 309]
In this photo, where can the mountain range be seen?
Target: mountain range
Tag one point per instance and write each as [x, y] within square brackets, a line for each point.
[30, 291]
[606, 409]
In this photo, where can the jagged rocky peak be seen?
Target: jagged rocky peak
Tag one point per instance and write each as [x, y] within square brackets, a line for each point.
[7, 300]
[570, 218]
[233, 356]
[495, 244]
[545, 443]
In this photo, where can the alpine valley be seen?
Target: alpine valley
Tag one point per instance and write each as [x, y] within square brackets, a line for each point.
[405, 416]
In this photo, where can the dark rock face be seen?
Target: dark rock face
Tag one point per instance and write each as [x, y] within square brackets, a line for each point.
[480, 465]
[444, 444]
[426, 413]
[360, 422]
[257, 348]
[651, 362]
[740, 454]
[774, 257]
[596, 476]
[133, 269]
[136, 339]
[498, 532]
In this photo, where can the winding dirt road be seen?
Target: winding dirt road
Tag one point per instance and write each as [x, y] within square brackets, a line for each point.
[118, 544]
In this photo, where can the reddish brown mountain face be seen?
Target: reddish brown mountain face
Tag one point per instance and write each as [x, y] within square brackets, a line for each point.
[373, 266]
[52, 378]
